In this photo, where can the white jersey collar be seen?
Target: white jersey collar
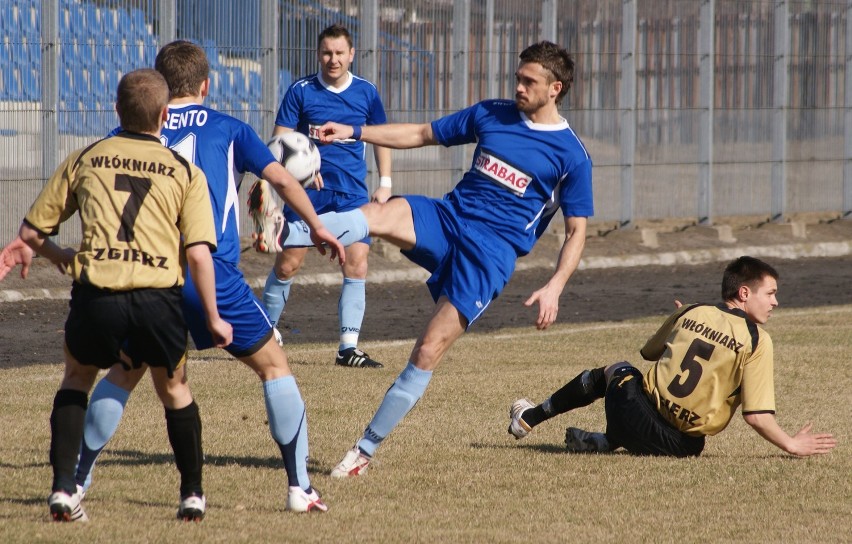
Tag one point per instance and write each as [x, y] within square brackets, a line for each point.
[336, 89]
[561, 125]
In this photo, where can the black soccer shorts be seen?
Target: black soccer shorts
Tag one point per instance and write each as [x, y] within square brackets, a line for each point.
[632, 421]
[147, 324]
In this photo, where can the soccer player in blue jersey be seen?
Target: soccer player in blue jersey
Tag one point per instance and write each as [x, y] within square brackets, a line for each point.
[224, 148]
[334, 94]
[528, 162]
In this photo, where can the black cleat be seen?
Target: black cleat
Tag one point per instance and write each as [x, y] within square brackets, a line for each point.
[356, 358]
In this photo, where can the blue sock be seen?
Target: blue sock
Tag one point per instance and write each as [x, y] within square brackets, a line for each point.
[275, 295]
[399, 400]
[102, 418]
[350, 310]
[289, 427]
[349, 227]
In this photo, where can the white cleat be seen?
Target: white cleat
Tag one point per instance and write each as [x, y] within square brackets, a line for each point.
[354, 463]
[269, 222]
[192, 508]
[517, 426]
[298, 500]
[65, 507]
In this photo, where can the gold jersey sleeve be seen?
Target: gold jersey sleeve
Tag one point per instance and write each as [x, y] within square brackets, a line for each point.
[709, 360]
[138, 201]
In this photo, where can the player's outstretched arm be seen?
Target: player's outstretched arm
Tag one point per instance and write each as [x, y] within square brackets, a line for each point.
[16, 253]
[393, 135]
[569, 258]
[803, 444]
[201, 267]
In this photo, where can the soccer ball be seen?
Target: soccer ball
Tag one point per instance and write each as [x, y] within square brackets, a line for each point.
[298, 154]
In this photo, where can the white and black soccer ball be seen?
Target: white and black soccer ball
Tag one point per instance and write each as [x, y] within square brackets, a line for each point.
[297, 154]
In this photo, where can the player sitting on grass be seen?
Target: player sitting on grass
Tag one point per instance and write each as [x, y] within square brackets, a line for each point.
[709, 360]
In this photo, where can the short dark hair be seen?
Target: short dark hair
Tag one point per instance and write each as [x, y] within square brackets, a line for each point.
[140, 99]
[746, 271]
[185, 67]
[335, 31]
[555, 60]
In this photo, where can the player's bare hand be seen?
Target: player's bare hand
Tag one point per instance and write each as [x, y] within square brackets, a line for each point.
[221, 332]
[678, 303]
[806, 443]
[381, 195]
[16, 253]
[331, 132]
[326, 242]
[316, 183]
[548, 306]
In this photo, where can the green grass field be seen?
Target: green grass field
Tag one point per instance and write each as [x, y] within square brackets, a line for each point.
[450, 472]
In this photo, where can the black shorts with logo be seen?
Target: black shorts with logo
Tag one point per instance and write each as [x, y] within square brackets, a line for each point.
[145, 322]
[633, 423]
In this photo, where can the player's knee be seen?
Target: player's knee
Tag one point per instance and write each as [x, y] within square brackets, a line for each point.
[616, 368]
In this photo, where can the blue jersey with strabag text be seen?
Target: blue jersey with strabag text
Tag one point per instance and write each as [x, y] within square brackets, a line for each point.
[310, 103]
[224, 148]
[522, 172]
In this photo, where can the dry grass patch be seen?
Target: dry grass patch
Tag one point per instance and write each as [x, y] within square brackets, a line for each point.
[450, 472]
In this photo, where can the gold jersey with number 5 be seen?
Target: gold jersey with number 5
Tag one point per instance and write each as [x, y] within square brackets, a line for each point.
[709, 360]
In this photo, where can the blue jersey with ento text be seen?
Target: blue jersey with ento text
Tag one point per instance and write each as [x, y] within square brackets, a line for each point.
[310, 103]
[521, 172]
[224, 148]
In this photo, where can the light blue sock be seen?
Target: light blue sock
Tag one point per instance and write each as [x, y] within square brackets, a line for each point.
[349, 227]
[350, 310]
[288, 424]
[106, 407]
[399, 400]
[275, 295]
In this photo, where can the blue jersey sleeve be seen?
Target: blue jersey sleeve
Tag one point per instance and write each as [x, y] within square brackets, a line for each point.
[457, 128]
[290, 109]
[250, 153]
[575, 192]
[377, 114]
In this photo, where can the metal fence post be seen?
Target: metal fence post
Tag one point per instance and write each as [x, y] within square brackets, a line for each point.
[847, 127]
[367, 65]
[49, 87]
[167, 21]
[706, 70]
[779, 115]
[627, 105]
[460, 60]
[269, 63]
[548, 20]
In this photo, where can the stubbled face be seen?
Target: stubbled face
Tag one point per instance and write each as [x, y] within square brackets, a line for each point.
[533, 91]
[758, 303]
[335, 57]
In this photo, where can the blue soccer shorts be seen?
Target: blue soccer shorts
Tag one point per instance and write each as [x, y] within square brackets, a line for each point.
[237, 305]
[326, 200]
[469, 265]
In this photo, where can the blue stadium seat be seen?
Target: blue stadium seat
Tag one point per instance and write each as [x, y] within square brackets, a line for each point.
[9, 20]
[31, 83]
[255, 86]
[212, 51]
[12, 82]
